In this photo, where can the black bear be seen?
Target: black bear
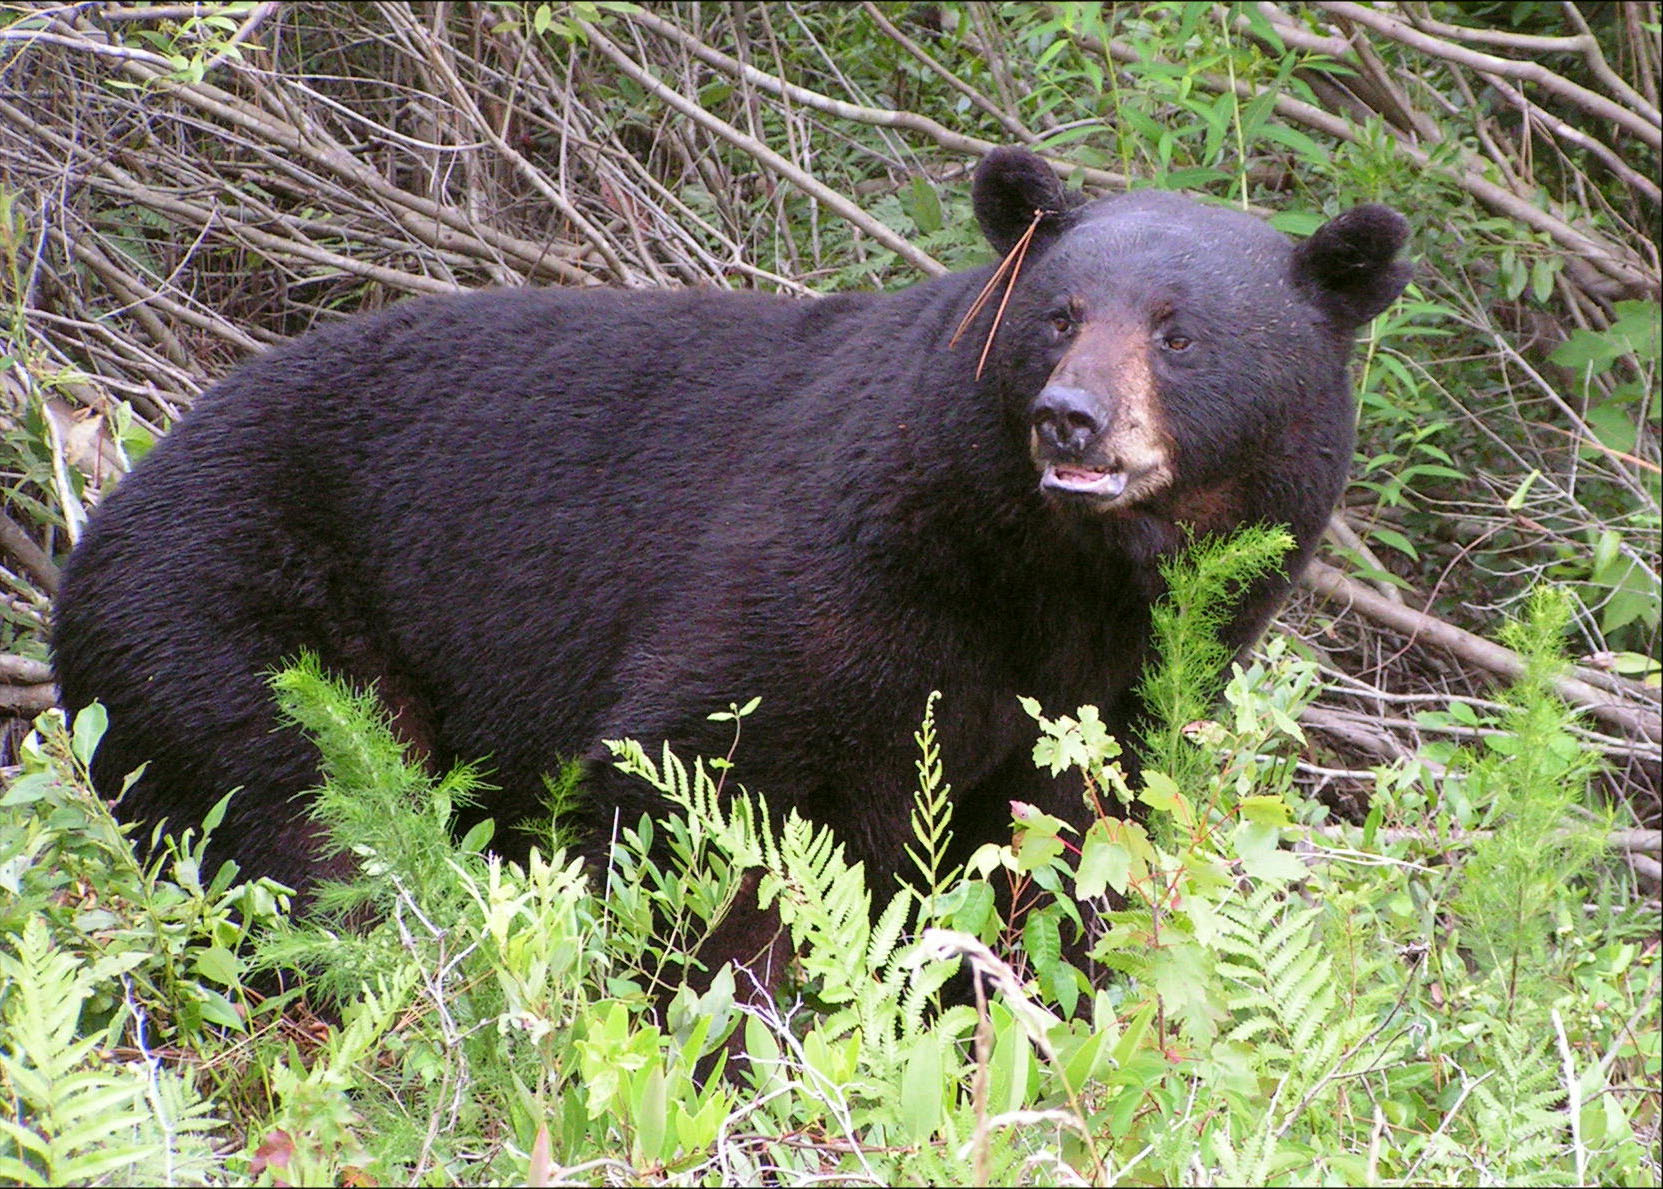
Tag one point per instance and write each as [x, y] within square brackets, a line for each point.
[540, 519]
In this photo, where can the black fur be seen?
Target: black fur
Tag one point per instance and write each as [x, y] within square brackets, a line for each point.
[1351, 264]
[1011, 187]
[543, 518]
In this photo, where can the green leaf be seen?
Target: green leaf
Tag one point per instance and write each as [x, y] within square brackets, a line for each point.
[1634, 599]
[1516, 500]
[1038, 844]
[654, 1137]
[764, 1052]
[1396, 540]
[1041, 938]
[27, 789]
[478, 837]
[1262, 28]
[216, 815]
[217, 1009]
[90, 725]
[1011, 1071]
[1266, 810]
[1371, 823]
[1634, 664]
[919, 201]
[1507, 745]
[1103, 864]
[1616, 428]
[1204, 918]
[1253, 115]
[974, 908]
[921, 1090]
[1542, 273]
[1159, 791]
[1256, 847]
[1180, 973]
[1086, 1062]
[1587, 349]
[219, 964]
[1195, 178]
[1297, 223]
[1310, 150]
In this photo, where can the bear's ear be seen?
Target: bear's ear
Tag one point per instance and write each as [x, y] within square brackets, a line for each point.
[1350, 265]
[1010, 185]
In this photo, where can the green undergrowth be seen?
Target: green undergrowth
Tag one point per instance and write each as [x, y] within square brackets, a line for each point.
[1452, 991]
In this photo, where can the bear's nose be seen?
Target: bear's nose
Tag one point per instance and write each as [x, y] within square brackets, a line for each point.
[1065, 419]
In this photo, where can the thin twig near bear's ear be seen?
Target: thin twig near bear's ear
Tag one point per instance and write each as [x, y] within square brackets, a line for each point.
[1012, 264]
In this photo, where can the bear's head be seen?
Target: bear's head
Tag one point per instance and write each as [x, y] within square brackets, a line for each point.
[1153, 343]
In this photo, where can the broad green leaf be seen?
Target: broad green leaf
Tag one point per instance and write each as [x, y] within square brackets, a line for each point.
[1269, 810]
[219, 964]
[922, 1080]
[90, 725]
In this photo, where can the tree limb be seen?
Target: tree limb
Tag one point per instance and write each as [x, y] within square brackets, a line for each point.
[1325, 580]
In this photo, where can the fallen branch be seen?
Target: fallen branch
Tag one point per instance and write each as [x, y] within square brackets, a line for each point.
[1649, 842]
[1592, 102]
[28, 555]
[879, 117]
[1330, 583]
[1623, 274]
[27, 700]
[23, 670]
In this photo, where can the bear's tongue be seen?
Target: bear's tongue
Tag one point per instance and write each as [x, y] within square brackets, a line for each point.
[1085, 481]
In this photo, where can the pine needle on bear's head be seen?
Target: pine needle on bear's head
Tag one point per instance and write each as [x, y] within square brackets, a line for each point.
[1011, 265]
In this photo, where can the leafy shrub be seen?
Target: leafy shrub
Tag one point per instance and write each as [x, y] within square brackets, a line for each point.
[1287, 1000]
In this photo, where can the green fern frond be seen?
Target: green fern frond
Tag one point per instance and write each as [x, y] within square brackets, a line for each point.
[922, 990]
[77, 1120]
[1254, 1161]
[861, 968]
[1518, 1130]
[887, 933]
[1253, 1027]
[932, 815]
[1282, 998]
[1279, 944]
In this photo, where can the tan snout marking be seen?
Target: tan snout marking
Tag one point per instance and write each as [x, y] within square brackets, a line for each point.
[1110, 358]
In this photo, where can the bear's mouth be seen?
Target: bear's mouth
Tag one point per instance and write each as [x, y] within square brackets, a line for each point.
[1072, 479]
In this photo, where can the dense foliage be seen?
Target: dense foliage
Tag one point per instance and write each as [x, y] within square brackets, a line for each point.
[1418, 1004]
[1370, 923]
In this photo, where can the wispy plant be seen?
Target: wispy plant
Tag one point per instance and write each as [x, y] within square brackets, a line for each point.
[1531, 780]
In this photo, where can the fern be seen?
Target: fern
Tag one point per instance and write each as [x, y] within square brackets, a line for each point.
[1518, 1130]
[178, 1134]
[862, 970]
[735, 820]
[1282, 996]
[77, 1120]
[317, 1107]
[1256, 1159]
[932, 813]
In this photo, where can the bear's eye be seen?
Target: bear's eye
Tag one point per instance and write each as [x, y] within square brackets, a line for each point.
[1177, 342]
[1062, 322]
